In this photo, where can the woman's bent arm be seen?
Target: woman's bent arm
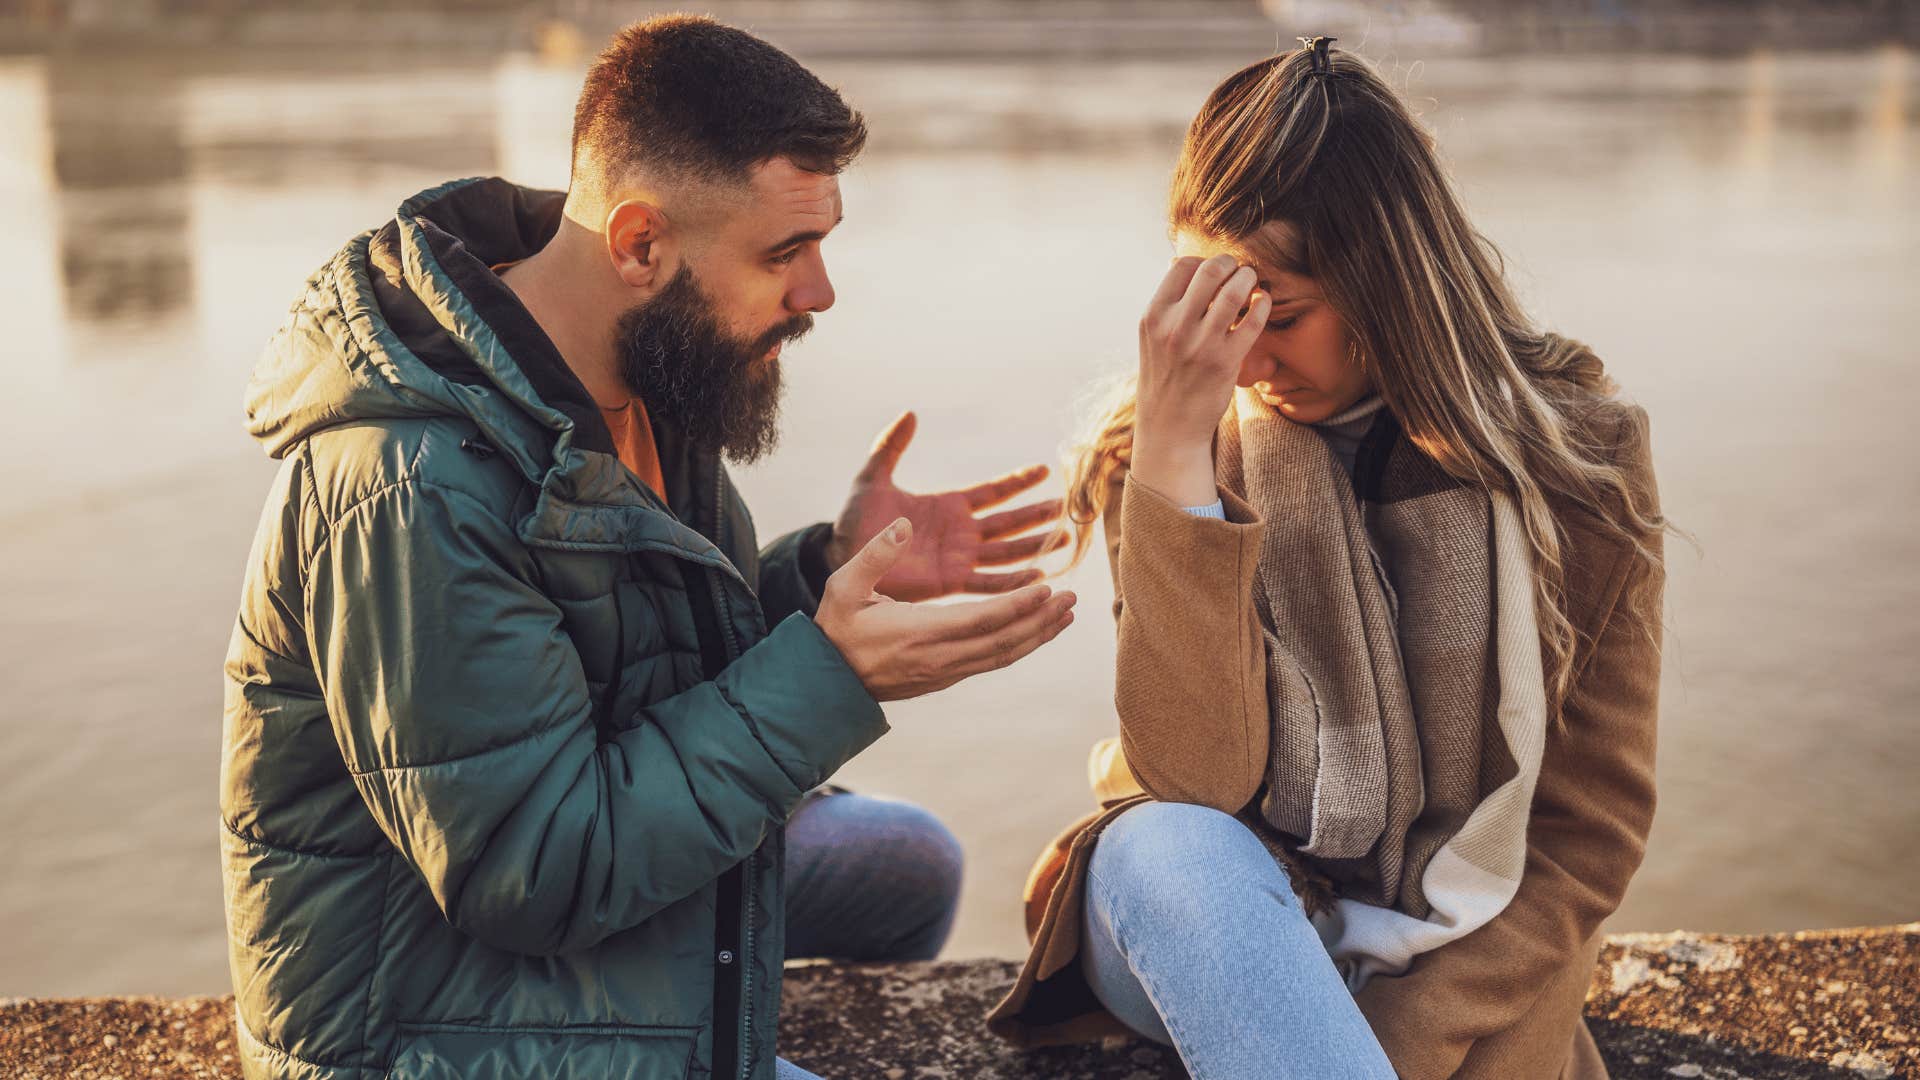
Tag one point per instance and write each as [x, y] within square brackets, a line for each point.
[1191, 684]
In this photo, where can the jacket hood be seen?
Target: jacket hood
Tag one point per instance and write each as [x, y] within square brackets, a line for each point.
[409, 321]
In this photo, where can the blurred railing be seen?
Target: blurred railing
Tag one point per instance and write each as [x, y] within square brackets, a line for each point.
[969, 27]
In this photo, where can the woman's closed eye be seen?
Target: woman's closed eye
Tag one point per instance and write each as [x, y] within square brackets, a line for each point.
[1283, 324]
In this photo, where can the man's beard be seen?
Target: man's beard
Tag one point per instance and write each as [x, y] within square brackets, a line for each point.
[721, 393]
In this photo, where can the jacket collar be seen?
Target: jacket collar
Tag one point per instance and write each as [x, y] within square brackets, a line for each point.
[474, 330]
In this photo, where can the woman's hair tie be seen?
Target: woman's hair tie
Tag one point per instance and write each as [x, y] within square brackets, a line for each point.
[1317, 47]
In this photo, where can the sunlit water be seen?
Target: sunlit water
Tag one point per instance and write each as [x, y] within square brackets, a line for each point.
[1737, 237]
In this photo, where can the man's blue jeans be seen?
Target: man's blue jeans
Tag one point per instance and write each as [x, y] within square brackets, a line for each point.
[867, 879]
[1193, 938]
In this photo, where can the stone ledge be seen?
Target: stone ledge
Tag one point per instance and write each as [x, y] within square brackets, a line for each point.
[1832, 1003]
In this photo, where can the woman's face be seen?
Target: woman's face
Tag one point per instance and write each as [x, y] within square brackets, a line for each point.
[1303, 363]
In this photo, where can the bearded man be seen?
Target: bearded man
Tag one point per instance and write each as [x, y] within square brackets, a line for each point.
[525, 735]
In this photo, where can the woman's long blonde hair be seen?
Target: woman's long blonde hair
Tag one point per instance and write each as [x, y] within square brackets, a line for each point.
[1327, 150]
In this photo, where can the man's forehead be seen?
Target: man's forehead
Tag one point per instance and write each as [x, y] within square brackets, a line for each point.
[783, 188]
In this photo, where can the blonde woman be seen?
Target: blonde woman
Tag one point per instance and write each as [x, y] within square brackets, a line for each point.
[1388, 573]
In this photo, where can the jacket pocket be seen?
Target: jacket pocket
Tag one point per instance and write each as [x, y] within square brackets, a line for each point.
[479, 1052]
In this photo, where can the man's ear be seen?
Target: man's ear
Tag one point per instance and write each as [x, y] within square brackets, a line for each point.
[639, 244]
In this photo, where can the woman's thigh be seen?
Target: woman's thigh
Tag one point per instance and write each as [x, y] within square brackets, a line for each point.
[1112, 979]
[1193, 936]
[1171, 885]
[787, 1070]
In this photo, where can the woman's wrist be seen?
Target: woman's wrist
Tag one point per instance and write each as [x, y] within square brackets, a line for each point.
[1180, 472]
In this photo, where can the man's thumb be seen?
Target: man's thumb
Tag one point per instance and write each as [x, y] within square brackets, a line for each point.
[873, 561]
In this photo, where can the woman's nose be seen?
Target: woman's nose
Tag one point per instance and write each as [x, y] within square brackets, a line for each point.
[1257, 367]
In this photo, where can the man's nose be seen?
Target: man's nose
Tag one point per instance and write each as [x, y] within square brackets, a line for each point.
[813, 293]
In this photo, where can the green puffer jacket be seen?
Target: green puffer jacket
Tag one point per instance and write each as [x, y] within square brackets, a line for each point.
[509, 743]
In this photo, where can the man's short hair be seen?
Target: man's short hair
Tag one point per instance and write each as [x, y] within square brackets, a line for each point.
[685, 97]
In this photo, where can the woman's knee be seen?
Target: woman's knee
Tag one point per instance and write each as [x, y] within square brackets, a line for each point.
[1157, 837]
[1173, 858]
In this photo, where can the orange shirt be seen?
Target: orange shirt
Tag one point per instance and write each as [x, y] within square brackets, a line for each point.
[632, 434]
[633, 442]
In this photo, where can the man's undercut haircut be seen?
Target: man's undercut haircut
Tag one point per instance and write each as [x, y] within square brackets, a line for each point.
[686, 98]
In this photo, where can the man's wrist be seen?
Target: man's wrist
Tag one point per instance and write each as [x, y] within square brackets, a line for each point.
[818, 560]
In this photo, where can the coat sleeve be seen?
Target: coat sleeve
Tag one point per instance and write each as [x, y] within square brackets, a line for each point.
[1592, 809]
[793, 572]
[1190, 683]
[462, 711]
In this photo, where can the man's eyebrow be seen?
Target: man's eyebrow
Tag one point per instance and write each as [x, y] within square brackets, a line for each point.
[807, 234]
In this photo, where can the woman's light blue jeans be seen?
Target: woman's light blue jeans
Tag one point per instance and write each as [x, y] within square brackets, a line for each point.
[1194, 939]
[867, 878]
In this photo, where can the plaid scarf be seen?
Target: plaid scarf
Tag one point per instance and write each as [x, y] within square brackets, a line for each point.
[1404, 682]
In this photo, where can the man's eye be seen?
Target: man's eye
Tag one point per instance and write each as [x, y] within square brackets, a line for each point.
[786, 257]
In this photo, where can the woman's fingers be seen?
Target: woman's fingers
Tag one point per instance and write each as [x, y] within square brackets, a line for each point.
[1217, 294]
[1252, 324]
[1188, 364]
[1227, 303]
[1173, 286]
[1205, 285]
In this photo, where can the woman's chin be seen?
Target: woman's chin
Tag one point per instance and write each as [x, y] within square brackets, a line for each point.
[1301, 406]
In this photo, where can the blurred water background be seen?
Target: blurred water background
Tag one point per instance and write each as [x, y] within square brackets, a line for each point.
[1722, 199]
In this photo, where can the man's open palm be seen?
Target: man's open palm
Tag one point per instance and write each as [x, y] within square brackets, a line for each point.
[950, 544]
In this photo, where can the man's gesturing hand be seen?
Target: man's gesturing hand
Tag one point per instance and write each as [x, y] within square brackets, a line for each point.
[902, 650]
[950, 545]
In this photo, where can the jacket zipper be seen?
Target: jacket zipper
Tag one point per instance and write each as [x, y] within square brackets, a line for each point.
[745, 869]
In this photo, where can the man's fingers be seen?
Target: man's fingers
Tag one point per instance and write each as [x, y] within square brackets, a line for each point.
[1009, 638]
[1002, 488]
[1015, 643]
[959, 622]
[863, 572]
[888, 447]
[1002, 552]
[1014, 522]
[978, 583]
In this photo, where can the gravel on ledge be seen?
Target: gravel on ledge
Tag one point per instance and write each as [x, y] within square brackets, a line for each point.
[1829, 1003]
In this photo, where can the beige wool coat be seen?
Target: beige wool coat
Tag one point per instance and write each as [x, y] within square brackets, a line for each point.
[1505, 1001]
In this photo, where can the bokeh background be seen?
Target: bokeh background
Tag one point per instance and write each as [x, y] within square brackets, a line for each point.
[1722, 198]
